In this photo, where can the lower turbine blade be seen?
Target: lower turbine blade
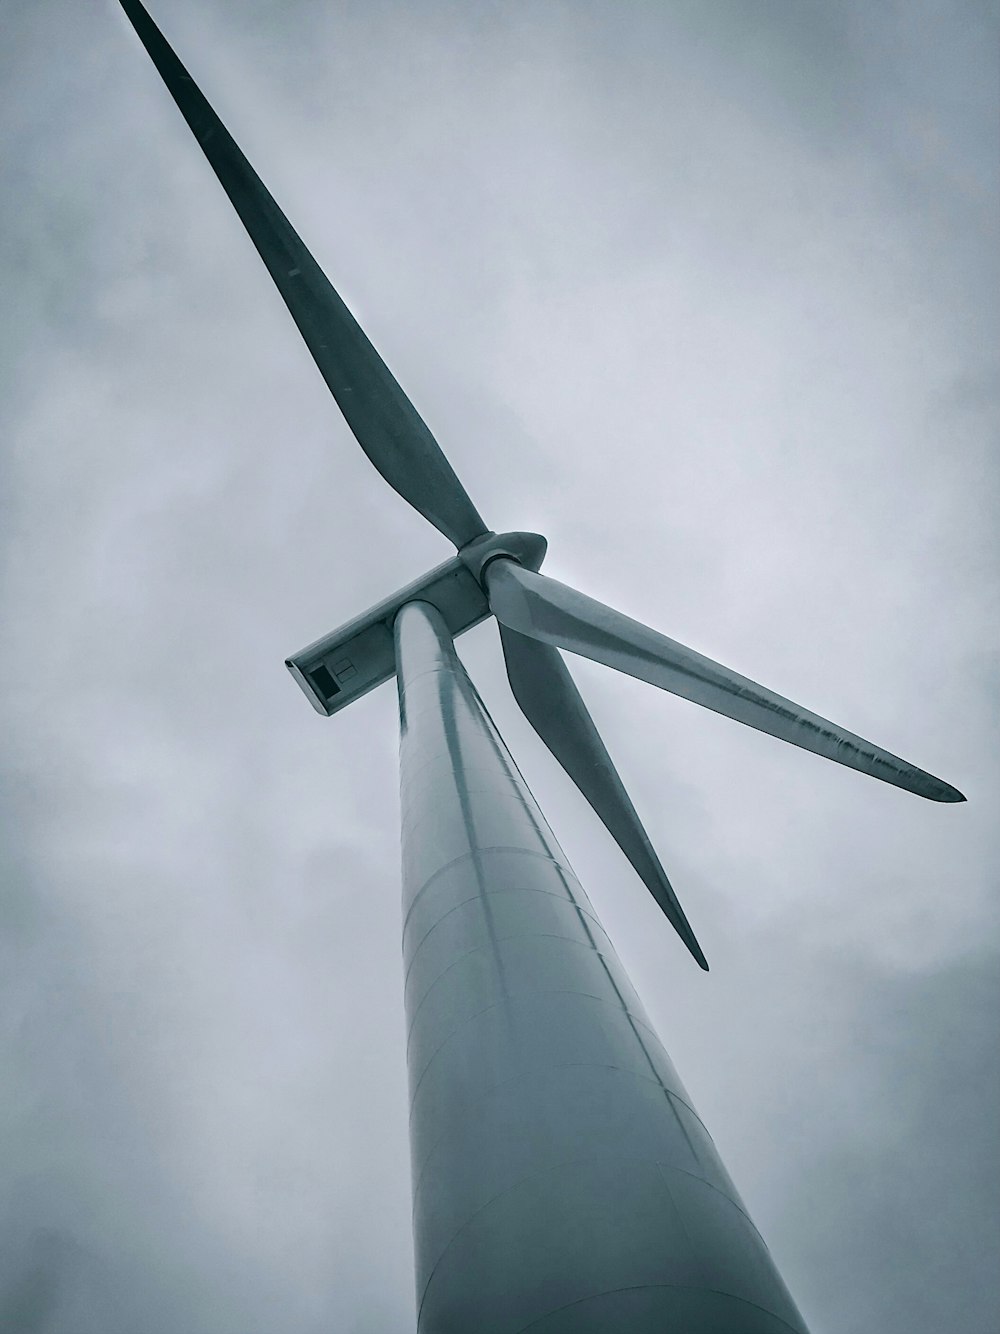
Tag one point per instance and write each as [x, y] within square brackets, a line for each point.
[551, 702]
[555, 614]
[385, 423]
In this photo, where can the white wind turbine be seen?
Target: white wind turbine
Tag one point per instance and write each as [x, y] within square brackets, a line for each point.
[474, 841]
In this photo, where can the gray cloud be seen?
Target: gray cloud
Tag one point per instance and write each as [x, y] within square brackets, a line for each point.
[710, 301]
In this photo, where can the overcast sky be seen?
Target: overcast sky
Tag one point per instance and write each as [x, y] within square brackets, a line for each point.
[704, 290]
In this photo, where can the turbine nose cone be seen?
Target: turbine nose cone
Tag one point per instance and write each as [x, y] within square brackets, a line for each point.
[528, 549]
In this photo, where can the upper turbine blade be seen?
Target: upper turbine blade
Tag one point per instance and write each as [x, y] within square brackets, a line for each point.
[385, 422]
[547, 610]
[549, 699]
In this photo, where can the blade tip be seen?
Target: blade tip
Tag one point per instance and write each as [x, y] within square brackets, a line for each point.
[694, 949]
[944, 792]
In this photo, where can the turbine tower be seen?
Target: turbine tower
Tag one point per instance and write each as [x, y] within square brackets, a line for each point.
[562, 1181]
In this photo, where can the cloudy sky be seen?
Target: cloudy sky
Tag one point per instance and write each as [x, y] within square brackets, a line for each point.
[705, 291]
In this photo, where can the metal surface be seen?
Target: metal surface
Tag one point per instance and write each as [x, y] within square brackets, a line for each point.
[387, 426]
[562, 1180]
[556, 614]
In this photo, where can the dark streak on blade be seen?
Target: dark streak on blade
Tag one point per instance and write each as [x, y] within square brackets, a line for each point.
[385, 422]
[549, 699]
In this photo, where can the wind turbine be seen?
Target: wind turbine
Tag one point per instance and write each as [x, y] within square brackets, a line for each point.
[562, 1180]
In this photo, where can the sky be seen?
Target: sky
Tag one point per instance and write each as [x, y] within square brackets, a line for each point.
[706, 293]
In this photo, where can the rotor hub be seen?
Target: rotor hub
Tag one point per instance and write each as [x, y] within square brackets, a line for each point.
[527, 549]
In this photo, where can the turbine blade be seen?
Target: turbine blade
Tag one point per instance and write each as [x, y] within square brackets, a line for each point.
[555, 614]
[384, 421]
[549, 699]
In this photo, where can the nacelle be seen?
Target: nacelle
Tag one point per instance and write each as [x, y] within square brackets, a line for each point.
[349, 662]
